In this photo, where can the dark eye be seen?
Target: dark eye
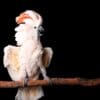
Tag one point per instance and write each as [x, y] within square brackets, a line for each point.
[35, 27]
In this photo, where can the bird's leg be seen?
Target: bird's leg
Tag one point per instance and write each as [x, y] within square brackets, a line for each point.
[44, 74]
[26, 80]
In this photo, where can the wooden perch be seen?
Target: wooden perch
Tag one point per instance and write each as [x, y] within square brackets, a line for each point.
[53, 81]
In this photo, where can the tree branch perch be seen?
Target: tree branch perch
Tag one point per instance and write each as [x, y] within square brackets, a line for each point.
[53, 81]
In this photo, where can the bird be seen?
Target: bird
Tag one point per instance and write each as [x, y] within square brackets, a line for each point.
[28, 58]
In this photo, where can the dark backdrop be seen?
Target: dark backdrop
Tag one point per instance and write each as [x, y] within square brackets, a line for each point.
[72, 30]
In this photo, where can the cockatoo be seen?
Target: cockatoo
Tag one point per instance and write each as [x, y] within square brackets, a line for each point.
[28, 59]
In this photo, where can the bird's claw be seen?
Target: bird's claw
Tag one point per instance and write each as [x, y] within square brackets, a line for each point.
[48, 79]
[25, 82]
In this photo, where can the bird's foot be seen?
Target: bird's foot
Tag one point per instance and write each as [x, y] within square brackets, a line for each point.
[25, 82]
[48, 79]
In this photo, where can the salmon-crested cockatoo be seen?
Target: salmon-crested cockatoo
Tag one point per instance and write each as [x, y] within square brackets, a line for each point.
[28, 59]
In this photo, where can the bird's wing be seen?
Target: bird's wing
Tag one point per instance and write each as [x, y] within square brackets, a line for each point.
[10, 58]
[47, 56]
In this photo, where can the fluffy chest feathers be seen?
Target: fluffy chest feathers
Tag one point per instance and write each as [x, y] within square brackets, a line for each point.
[30, 58]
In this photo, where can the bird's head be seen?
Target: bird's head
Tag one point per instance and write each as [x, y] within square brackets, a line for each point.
[29, 17]
[29, 28]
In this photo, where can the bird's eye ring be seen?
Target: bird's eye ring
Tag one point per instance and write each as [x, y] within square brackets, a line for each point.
[35, 27]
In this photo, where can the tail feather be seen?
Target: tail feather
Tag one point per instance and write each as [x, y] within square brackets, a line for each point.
[29, 93]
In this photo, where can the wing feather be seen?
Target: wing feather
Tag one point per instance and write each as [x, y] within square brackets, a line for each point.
[10, 58]
[47, 56]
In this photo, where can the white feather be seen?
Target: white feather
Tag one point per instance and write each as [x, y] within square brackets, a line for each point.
[26, 58]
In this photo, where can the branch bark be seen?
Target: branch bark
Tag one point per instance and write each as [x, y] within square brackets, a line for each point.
[53, 81]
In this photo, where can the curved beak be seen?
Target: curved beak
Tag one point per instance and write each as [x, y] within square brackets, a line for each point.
[40, 29]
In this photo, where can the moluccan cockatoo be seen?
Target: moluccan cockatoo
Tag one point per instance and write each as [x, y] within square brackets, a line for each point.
[28, 59]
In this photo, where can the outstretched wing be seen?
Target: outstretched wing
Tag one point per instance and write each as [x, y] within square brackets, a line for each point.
[10, 58]
[47, 56]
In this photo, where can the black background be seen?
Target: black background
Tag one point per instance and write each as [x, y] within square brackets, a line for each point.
[72, 30]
